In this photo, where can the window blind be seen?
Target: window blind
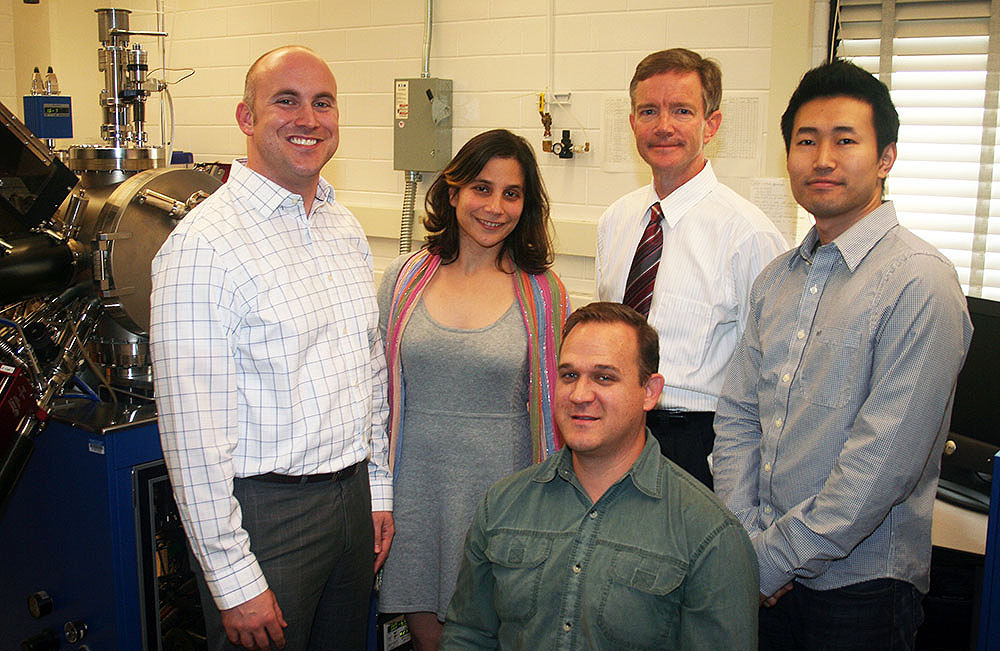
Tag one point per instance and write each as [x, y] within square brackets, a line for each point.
[941, 62]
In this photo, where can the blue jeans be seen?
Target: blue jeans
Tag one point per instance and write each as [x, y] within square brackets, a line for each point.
[879, 614]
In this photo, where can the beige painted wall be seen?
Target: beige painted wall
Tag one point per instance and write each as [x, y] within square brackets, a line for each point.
[792, 54]
[496, 51]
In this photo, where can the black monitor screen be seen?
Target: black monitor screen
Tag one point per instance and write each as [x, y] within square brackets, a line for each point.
[978, 390]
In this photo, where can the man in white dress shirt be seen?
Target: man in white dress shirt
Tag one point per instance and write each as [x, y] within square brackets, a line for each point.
[714, 243]
[270, 380]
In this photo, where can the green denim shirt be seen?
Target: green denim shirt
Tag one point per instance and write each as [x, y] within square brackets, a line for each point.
[656, 563]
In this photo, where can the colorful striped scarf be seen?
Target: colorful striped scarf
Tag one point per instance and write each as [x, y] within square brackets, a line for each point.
[544, 308]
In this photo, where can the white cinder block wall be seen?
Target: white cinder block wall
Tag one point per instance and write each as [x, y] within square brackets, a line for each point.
[497, 52]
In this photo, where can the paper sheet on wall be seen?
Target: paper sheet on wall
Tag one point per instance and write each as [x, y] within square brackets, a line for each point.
[738, 135]
[736, 150]
[618, 145]
[774, 197]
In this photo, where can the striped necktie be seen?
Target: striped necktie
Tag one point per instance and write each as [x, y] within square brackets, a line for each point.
[642, 274]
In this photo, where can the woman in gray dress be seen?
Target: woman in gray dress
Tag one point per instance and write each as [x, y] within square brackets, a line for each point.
[472, 324]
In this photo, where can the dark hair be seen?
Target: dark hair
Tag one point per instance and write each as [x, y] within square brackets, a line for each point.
[679, 59]
[648, 342]
[529, 244]
[843, 78]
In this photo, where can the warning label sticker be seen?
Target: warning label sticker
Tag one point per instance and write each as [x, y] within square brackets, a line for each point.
[402, 99]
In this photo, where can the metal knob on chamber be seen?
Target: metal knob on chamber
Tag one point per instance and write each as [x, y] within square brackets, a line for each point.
[39, 604]
[75, 631]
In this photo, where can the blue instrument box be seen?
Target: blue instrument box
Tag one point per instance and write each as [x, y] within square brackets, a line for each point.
[49, 116]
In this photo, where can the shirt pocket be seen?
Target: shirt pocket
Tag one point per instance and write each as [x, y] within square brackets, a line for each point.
[829, 369]
[518, 562]
[684, 325]
[640, 604]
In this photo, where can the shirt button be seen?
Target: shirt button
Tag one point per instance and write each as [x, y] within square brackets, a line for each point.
[593, 514]
[786, 377]
[567, 626]
[800, 334]
[813, 289]
[767, 467]
[767, 509]
[576, 568]
[778, 422]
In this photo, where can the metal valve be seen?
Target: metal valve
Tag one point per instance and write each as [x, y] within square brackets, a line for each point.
[39, 604]
[565, 147]
[75, 631]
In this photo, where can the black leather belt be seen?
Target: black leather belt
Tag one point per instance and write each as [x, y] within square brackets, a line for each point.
[275, 478]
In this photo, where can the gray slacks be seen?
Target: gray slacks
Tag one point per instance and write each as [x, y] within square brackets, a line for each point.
[315, 546]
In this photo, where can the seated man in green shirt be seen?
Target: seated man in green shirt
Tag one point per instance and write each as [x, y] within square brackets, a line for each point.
[607, 544]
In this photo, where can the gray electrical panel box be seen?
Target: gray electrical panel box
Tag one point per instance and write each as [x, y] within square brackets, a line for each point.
[421, 131]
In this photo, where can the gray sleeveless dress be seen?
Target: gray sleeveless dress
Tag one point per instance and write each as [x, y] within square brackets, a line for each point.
[465, 425]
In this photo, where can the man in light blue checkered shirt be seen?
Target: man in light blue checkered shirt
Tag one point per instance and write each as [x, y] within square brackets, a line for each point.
[832, 418]
[270, 380]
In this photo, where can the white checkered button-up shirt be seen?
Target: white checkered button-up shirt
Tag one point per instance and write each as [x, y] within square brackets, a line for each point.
[265, 346]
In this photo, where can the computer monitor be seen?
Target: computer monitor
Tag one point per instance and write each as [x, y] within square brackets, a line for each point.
[966, 468]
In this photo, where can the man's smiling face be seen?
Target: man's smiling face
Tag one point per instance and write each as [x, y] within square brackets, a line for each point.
[293, 128]
[600, 405]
